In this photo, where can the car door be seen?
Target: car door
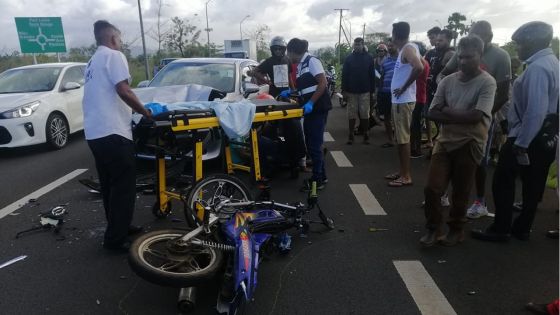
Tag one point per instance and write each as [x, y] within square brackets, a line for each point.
[73, 98]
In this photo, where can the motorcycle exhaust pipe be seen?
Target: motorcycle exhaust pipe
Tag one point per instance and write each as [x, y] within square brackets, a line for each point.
[187, 299]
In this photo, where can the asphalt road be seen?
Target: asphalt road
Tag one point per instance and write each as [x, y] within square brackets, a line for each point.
[349, 270]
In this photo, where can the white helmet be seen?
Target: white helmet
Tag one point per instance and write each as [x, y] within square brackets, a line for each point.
[278, 41]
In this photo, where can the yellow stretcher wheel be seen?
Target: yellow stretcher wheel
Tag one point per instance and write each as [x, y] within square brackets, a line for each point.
[159, 212]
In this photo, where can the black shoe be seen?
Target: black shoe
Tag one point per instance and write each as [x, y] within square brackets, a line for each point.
[134, 229]
[416, 155]
[552, 234]
[490, 236]
[120, 248]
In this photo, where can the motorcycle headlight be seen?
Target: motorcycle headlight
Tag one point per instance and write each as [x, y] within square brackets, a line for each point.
[21, 111]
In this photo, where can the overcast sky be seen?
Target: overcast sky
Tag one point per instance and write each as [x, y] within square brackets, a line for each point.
[314, 20]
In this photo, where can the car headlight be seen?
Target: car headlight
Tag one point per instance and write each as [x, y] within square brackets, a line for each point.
[21, 111]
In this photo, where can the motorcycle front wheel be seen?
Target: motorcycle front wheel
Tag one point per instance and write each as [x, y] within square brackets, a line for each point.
[162, 258]
[211, 191]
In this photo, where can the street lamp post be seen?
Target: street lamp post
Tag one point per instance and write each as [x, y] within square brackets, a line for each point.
[207, 28]
[143, 41]
[240, 33]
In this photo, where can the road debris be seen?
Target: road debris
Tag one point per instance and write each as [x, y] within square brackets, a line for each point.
[471, 293]
[12, 261]
[372, 229]
[441, 261]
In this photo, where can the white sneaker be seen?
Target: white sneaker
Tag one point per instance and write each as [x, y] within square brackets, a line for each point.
[477, 210]
[444, 200]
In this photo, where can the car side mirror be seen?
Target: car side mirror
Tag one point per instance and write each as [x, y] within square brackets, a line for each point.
[250, 88]
[143, 84]
[71, 86]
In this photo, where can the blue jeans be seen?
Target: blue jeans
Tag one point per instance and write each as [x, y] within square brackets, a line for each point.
[314, 127]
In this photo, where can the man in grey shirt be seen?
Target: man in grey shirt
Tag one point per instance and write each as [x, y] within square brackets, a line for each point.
[463, 105]
[535, 95]
[496, 62]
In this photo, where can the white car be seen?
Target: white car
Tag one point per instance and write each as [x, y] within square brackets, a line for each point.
[41, 103]
[228, 75]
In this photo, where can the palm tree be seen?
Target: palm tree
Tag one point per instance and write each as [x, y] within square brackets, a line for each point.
[455, 24]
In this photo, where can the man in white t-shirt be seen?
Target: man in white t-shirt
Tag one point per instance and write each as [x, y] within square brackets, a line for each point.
[403, 87]
[107, 105]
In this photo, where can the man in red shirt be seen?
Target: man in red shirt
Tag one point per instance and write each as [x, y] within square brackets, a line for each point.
[416, 124]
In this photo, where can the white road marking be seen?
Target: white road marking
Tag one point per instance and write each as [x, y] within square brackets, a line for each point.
[39, 192]
[341, 159]
[427, 296]
[327, 137]
[367, 200]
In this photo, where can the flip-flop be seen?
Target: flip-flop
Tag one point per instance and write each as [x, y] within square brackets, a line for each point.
[393, 176]
[387, 145]
[399, 183]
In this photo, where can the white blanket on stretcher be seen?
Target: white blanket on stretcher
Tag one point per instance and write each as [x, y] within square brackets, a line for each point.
[235, 118]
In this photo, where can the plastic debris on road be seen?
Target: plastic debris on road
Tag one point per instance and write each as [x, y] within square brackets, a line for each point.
[12, 261]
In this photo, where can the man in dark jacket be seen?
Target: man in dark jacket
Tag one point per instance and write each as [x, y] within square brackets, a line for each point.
[358, 85]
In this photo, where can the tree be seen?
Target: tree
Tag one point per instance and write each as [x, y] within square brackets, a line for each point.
[160, 32]
[510, 48]
[345, 50]
[261, 35]
[326, 54]
[377, 38]
[456, 25]
[182, 37]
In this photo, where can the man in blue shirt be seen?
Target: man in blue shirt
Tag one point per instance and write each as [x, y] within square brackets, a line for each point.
[384, 93]
[535, 96]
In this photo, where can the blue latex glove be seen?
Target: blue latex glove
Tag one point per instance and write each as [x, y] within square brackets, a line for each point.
[156, 108]
[308, 107]
[285, 93]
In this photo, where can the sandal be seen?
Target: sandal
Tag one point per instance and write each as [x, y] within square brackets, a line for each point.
[387, 145]
[393, 176]
[399, 182]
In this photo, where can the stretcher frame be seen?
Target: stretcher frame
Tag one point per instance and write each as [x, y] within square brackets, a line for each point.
[196, 122]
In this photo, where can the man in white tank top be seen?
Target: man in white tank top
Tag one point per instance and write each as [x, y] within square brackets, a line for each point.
[403, 86]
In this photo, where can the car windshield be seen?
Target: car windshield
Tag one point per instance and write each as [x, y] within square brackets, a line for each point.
[219, 76]
[29, 80]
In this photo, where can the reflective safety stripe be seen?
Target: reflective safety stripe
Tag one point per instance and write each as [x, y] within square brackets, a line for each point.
[308, 90]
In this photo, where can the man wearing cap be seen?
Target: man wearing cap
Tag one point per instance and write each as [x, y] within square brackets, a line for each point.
[535, 101]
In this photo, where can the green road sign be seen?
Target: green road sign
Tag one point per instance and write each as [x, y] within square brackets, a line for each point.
[40, 34]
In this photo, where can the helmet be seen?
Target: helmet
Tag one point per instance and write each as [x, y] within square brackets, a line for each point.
[382, 47]
[278, 41]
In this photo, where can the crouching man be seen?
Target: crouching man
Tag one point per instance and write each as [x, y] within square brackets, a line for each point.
[463, 105]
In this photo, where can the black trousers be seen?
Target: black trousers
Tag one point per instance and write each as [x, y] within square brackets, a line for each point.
[115, 163]
[533, 180]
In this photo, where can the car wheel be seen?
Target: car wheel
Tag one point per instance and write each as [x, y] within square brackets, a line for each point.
[57, 131]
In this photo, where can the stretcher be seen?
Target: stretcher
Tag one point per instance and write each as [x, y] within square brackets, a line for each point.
[181, 133]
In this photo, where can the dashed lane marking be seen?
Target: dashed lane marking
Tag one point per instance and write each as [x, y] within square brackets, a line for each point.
[427, 296]
[39, 192]
[327, 137]
[367, 200]
[341, 159]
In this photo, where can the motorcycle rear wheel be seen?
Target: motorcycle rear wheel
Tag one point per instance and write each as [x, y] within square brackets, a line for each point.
[161, 258]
